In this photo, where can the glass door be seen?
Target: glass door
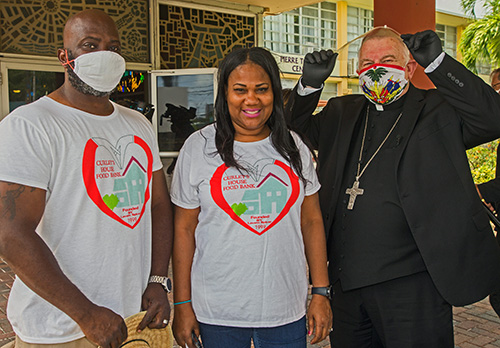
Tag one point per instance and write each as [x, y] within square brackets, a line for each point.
[184, 102]
[25, 82]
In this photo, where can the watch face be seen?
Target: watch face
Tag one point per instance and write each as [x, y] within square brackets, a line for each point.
[168, 284]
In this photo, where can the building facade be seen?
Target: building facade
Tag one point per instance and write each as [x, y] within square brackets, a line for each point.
[173, 48]
[332, 24]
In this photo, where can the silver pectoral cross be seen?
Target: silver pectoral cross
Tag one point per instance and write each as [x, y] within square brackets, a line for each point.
[353, 192]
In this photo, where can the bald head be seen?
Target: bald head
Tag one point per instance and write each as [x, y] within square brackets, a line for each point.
[91, 24]
[387, 34]
[88, 31]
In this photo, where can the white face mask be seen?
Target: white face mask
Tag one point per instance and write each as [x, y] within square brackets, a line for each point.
[382, 83]
[101, 70]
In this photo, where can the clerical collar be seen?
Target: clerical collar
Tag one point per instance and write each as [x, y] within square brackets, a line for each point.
[397, 105]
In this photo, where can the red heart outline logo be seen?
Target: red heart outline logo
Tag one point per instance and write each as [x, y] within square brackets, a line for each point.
[88, 171]
[216, 191]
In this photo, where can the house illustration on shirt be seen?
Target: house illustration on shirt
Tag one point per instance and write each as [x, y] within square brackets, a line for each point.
[269, 197]
[130, 188]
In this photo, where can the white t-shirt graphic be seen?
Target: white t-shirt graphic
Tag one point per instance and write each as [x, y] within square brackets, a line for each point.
[116, 177]
[249, 266]
[97, 173]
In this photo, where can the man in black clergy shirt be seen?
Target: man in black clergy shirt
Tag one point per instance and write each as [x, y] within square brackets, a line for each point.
[407, 234]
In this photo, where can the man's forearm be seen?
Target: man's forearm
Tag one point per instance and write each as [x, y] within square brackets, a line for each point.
[161, 240]
[478, 104]
[301, 117]
[162, 230]
[34, 263]
[21, 208]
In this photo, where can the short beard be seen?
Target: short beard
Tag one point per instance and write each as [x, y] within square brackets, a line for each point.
[84, 88]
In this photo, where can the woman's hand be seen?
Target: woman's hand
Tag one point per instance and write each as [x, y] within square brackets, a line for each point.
[184, 325]
[319, 318]
[319, 314]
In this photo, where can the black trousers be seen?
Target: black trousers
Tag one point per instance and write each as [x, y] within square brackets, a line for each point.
[407, 312]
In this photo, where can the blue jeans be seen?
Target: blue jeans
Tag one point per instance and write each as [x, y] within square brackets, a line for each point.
[293, 335]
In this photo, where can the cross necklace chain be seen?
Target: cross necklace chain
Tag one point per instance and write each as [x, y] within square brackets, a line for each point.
[355, 190]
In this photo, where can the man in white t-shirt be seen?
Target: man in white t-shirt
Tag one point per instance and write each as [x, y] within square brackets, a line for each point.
[85, 214]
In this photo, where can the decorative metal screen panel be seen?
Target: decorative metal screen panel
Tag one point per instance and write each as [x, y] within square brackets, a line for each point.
[36, 26]
[193, 38]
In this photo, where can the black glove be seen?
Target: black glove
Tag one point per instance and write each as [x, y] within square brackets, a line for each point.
[425, 46]
[317, 67]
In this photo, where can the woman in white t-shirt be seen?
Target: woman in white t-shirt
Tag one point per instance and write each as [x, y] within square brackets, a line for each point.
[247, 217]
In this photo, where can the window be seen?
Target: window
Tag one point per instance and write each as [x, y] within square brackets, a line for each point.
[302, 30]
[26, 86]
[329, 90]
[354, 87]
[448, 36]
[193, 37]
[133, 93]
[184, 102]
[359, 21]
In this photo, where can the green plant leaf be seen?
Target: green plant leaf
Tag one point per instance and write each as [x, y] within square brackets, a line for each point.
[482, 161]
[480, 40]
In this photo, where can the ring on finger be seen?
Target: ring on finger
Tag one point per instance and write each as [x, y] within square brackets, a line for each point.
[165, 322]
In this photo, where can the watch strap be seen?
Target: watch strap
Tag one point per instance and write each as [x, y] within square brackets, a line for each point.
[163, 280]
[322, 290]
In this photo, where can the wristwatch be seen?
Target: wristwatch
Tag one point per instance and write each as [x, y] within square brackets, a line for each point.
[323, 290]
[164, 281]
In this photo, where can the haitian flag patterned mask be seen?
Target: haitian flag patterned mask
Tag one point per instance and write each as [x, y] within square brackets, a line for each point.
[382, 83]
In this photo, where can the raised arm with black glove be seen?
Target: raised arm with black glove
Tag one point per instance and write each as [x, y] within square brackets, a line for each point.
[318, 65]
[425, 46]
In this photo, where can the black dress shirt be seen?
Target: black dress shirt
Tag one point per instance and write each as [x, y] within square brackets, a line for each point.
[372, 242]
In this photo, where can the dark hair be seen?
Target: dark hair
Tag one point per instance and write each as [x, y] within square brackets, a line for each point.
[281, 138]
